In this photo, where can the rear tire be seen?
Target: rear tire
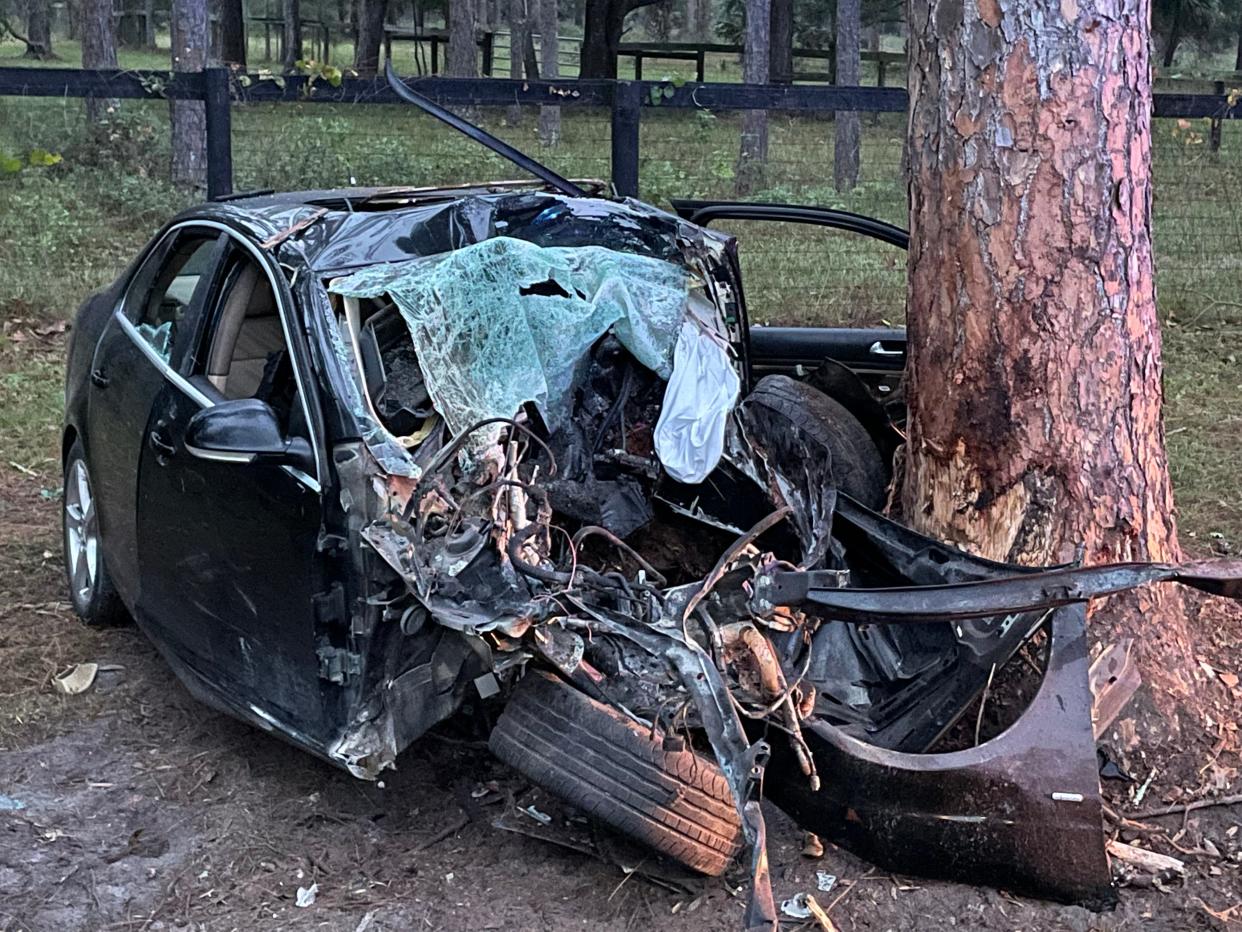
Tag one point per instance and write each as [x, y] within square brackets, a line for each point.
[677, 802]
[91, 591]
[857, 465]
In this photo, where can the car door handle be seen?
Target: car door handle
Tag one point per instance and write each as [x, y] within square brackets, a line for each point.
[160, 445]
[877, 349]
[98, 377]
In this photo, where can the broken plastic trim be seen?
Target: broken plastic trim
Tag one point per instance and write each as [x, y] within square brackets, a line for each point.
[480, 135]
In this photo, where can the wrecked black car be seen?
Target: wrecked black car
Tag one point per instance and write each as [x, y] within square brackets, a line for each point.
[353, 459]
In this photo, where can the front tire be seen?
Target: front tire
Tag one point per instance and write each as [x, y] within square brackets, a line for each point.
[91, 591]
[675, 801]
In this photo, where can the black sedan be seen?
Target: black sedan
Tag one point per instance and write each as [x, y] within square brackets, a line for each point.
[354, 459]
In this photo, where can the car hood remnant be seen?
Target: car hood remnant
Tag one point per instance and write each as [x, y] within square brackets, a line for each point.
[530, 399]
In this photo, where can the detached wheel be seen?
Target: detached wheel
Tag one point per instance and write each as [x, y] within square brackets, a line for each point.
[94, 597]
[676, 802]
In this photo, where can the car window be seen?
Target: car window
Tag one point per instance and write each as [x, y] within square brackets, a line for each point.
[163, 293]
[245, 353]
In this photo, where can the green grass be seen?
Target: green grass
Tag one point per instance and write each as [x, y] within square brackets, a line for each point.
[71, 227]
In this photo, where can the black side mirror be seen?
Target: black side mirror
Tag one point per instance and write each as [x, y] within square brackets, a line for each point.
[245, 431]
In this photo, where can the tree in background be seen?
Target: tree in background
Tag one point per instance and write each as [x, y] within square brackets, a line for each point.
[190, 36]
[292, 15]
[519, 37]
[370, 36]
[462, 58]
[549, 49]
[845, 153]
[752, 156]
[232, 33]
[39, 29]
[1035, 395]
[98, 49]
[780, 48]
[603, 23]
[38, 36]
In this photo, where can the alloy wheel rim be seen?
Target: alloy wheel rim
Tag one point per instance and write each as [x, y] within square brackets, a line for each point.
[81, 534]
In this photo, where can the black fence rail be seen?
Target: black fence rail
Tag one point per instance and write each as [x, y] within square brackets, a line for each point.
[220, 88]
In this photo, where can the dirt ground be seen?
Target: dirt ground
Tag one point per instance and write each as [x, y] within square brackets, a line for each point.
[132, 807]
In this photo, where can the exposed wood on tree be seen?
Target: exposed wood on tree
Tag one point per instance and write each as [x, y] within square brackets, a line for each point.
[549, 49]
[603, 23]
[780, 53]
[98, 50]
[233, 34]
[753, 152]
[190, 38]
[370, 36]
[845, 154]
[462, 58]
[292, 15]
[1035, 389]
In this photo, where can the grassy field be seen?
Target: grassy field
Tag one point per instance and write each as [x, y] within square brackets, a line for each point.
[71, 227]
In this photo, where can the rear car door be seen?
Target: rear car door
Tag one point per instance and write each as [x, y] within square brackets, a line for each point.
[229, 548]
[141, 345]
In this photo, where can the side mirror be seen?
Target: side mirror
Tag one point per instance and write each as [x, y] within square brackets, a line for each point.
[245, 431]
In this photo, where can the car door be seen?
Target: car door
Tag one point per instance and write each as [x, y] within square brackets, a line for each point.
[228, 550]
[140, 346]
[770, 245]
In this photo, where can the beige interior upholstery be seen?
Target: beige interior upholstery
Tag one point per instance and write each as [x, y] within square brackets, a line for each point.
[248, 332]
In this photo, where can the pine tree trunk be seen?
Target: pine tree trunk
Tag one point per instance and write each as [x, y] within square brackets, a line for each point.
[190, 38]
[1035, 431]
[233, 34]
[1237, 64]
[845, 154]
[98, 50]
[519, 35]
[1175, 35]
[780, 53]
[370, 36]
[753, 153]
[38, 30]
[599, 54]
[292, 14]
[462, 58]
[549, 47]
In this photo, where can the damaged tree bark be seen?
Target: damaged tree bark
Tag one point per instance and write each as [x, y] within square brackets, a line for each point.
[1035, 370]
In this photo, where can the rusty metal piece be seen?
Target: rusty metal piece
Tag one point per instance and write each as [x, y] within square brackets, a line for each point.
[1114, 678]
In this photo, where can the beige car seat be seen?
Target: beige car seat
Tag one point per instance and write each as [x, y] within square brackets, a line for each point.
[248, 333]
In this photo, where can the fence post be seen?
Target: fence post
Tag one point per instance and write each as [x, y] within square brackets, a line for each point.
[626, 103]
[219, 132]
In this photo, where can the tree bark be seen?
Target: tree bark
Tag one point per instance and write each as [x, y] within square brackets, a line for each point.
[549, 47]
[370, 36]
[603, 23]
[1035, 395]
[38, 30]
[845, 154]
[98, 50]
[292, 14]
[753, 153]
[233, 34]
[519, 35]
[462, 60]
[780, 53]
[1237, 64]
[190, 36]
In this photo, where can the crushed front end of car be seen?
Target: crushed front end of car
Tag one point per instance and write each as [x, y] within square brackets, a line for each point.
[571, 492]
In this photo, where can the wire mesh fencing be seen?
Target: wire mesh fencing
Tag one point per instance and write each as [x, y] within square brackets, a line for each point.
[73, 225]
